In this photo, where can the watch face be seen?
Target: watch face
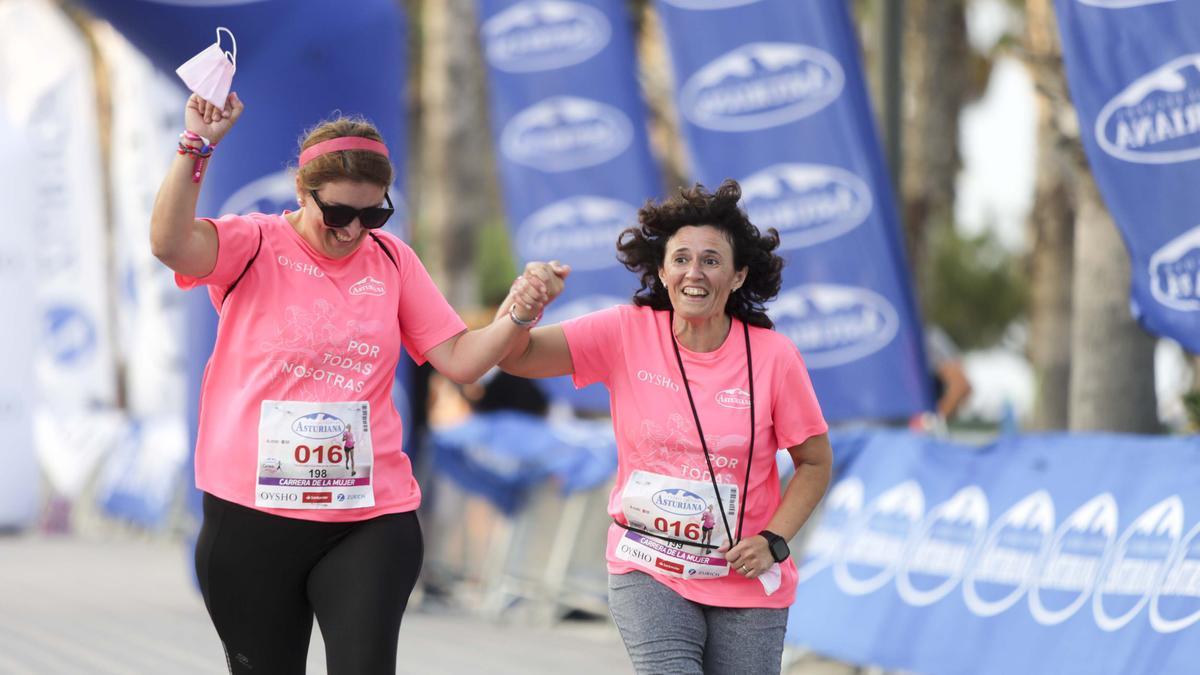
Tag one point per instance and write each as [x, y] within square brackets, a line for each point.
[779, 550]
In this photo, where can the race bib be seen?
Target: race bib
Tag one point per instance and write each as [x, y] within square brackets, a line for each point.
[682, 510]
[314, 455]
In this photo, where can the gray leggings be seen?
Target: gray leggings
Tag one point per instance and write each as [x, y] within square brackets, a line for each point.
[666, 633]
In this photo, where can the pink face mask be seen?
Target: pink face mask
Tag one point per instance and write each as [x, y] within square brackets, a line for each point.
[209, 74]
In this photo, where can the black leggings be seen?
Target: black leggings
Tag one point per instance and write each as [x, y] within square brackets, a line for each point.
[263, 578]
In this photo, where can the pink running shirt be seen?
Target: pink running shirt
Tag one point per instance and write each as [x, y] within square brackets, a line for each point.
[301, 326]
[629, 349]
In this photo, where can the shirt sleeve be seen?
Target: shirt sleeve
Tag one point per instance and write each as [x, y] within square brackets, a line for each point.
[595, 342]
[426, 318]
[795, 409]
[238, 238]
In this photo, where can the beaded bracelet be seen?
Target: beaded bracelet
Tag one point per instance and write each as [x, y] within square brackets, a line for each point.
[201, 153]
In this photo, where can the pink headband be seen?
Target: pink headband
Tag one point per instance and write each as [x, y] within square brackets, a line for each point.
[343, 143]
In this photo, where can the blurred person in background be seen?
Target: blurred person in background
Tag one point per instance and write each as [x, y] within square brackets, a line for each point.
[703, 392]
[314, 305]
[950, 384]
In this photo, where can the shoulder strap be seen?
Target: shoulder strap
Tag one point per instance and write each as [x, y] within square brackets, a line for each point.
[386, 251]
[245, 269]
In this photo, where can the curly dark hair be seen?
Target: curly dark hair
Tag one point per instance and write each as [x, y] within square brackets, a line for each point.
[642, 249]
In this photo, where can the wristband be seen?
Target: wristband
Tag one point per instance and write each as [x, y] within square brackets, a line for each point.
[201, 153]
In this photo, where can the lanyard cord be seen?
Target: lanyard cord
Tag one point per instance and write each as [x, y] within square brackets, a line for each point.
[704, 446]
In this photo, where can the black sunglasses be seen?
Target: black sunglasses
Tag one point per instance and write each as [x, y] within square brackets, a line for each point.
[339, 215]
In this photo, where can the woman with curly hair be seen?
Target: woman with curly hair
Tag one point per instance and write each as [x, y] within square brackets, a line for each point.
[703, 393]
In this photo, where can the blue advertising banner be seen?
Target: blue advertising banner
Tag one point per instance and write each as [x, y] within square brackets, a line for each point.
[1042, 554]
[570, 135]
[1134, 71]
[298, 62]
[771, 93]
[502, 456]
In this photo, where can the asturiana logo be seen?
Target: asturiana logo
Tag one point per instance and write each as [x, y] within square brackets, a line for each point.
[875, 544]
[834, 325]
[807, 203]
[942, 547]
[1138, 564]
[563, 133]
[1175, 604]
[733, 398]
[761, 85]
[1175, 272]
[318, 426]
[581, 231]
[1008, 558]
[679, 502]
[1072, 565]
[1156, 119]
[543, 35]
[841, 509]
[368, 286]
[709, 4]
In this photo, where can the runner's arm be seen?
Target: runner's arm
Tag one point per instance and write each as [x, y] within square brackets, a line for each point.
[814, 466]
[465, 357]
[181, 241]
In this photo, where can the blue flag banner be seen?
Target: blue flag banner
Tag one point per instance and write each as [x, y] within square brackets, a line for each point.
[299, 62]
[1134, 71]
[1048, 554]
[771, 93]
[570, 135]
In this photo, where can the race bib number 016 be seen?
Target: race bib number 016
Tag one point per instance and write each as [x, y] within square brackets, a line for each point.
[314, 455]
[679, 509]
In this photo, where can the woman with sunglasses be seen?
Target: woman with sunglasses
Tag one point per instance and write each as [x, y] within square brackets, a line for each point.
[314, 307]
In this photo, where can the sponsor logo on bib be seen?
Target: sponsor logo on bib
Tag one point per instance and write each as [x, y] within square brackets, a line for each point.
[318, 426]
[679, 502]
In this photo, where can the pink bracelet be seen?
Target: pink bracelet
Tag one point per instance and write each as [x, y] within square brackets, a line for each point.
[202, 153]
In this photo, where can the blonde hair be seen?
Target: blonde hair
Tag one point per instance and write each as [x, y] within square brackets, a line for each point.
[353, 165]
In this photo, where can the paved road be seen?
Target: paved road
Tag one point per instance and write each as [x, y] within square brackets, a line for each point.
[69, 605]
[75, 605]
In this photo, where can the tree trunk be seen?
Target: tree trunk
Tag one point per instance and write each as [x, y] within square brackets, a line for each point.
[1112, 373]
[1051, 221]
[658, 87]
[936, 63]
[457, 191]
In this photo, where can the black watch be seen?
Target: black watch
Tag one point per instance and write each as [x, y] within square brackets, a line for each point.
[777, 544]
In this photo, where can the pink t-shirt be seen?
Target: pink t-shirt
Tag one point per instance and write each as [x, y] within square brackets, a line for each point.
[629, 349]
[300, 326]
